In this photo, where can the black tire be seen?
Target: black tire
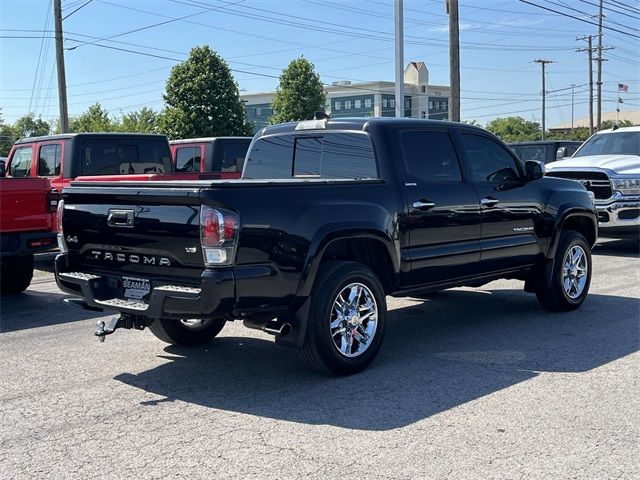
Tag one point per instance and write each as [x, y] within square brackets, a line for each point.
[16, 274]
[318, 350]
[554, 297]
[176, 333]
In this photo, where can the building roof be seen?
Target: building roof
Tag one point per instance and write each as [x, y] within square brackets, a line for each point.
[631, 115]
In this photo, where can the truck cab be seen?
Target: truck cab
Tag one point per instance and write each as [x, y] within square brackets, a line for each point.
[223, 156]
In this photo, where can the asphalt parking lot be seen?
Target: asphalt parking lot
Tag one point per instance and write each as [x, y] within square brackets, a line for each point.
[472, 383]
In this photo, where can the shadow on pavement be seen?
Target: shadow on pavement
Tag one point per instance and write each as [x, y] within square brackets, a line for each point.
[618, 248]
[453, 348]
[33, 309]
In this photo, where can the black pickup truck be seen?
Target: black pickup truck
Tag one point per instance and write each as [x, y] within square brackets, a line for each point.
[329, 217]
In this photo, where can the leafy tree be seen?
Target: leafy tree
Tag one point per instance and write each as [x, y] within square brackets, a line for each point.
[473, 123]
[29, 126]
[95, 119]
[202, 99]
[300, 93]
[144, 120]
[515, 129]
[7, 137]
[582, 133]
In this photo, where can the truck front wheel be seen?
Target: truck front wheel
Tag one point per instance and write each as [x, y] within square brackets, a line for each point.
[346, 320]
[187, 333]
[16, 274]
[571, 275]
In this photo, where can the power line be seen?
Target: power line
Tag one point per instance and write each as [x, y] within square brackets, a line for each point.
[81, 6]
[577, 18]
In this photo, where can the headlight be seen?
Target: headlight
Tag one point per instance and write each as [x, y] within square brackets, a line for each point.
[627, 186]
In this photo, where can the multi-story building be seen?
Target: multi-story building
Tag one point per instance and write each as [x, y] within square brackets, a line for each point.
[368, 99]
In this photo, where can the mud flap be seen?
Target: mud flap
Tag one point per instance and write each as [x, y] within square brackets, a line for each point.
[540, 278]
[298, 321]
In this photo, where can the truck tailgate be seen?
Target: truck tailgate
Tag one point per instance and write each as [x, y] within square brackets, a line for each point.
[136, 231]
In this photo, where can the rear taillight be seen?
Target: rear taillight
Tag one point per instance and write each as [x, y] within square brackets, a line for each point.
[218, 235]
[53, 197]
[62, 245]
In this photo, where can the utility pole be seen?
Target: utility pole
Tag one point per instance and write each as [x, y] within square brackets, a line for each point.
[573, 86]
[589, 50]
[543, 63]
[62, 82]
[600, 60]
[454, 60]
[399, 59]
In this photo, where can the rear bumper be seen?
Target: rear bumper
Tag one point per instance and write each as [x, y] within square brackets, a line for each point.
[16, 244]
[619, 215]
[213, 297]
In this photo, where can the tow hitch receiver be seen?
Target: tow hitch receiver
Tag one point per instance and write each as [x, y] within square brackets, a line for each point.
[115, 322]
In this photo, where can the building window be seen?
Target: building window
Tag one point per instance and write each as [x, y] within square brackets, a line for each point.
[357, 104]
[392, 103]
[385, 103]
[424, 114]
[407, 103]
[336, 105]
[423, 88]
[347, 104]
[367, 103]
[258, 112]
[430, 104]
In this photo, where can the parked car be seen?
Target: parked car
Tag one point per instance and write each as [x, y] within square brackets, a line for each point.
[220, 155]
[329, 218]
[608, 164]
[26, 227]
[546, 151]
[61, 158]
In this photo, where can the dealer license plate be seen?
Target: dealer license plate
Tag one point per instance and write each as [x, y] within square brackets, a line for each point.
[135, 288]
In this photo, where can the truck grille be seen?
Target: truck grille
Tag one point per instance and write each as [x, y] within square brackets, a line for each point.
[596, 182]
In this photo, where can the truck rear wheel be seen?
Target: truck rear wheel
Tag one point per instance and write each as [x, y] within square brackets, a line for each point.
[16, 274]
[187, 333]
[346, 321]
[571, 275]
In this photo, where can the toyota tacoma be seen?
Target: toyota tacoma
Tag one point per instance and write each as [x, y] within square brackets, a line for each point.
[329, 218]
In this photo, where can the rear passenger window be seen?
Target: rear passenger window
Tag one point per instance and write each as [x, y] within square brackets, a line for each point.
[489, 160]
[21, 162]
[188, 159]
[430, 156]
[49, 160]
[331, 155]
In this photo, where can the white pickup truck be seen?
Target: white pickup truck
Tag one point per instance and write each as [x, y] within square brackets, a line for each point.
[608, 164]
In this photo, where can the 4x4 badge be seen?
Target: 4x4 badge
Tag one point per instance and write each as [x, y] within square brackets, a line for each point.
[73, 239]
[190, 249]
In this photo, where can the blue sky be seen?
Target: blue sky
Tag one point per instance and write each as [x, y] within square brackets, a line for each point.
[345, 39]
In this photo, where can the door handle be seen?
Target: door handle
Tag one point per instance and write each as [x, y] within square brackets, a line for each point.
[423, 205]
[489, 202]
[120, 218]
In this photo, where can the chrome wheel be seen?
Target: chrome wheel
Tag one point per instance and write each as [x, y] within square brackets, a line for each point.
[354, 319]
[574, 272]
[195, 323]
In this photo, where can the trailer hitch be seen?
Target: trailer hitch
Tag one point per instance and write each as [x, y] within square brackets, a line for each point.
[122, 321]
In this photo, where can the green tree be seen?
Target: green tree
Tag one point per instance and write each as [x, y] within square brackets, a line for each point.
[515, 129]
[7, 136]
[582, 133]
[300, 93]
[30, 126]
[144, 120]
[95, 119]
[202, 99]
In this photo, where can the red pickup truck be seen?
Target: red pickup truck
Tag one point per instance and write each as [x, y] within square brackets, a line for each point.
[223, 156]
[26, 227]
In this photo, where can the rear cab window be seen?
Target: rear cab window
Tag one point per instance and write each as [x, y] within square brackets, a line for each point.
[188, 159]
[231, 156]
[327, 155]
[124, 156]
[20, 165]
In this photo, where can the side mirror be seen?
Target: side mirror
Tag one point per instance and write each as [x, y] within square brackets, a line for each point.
[3, 170]
[534, 169]
[561, 153]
